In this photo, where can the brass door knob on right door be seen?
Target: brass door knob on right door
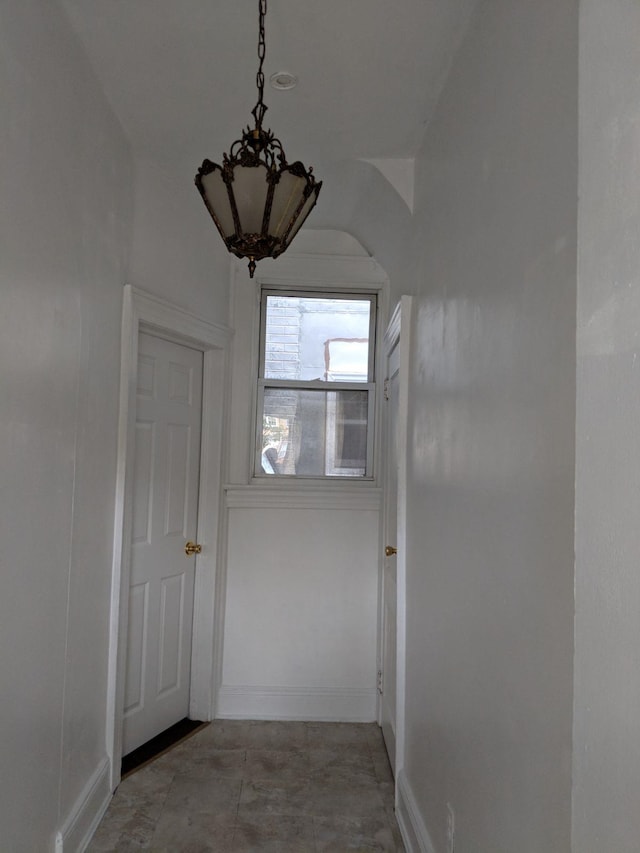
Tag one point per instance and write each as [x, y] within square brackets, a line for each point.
[192, 548]
[389, 551]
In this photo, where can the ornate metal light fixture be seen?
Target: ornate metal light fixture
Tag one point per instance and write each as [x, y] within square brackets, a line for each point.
[257, 200]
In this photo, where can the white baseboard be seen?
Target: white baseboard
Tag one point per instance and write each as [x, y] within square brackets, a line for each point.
[414, 832]
[75, 833]
[297, 703]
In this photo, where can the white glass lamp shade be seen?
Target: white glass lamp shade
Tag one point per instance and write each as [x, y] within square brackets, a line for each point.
[294, 196]
[306, 205]
[257, 207]
[250, 188]
[215, 194]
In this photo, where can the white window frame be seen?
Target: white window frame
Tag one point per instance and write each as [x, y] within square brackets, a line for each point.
[322, 272]
[330, 291]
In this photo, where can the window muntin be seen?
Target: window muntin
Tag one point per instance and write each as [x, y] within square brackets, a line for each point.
[316, 388]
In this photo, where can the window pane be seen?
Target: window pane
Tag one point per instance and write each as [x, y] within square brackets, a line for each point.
[314, 433]
[309, 338]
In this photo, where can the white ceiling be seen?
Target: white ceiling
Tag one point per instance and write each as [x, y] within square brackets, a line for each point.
[180, 74]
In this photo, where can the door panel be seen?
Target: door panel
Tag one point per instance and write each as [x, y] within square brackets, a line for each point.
[177, 494]
[142, 483]
[165, 493]
[135, 646]
[173, 607]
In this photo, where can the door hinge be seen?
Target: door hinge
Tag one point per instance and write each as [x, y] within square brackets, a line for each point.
[386, 389]
[380, 690]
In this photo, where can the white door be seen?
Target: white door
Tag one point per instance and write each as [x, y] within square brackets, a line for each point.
[165, 496]
[388, 681]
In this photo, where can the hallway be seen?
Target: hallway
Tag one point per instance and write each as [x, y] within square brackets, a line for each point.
[240, 786]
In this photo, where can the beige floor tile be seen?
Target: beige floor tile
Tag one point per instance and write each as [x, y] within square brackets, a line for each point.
[134, 834]
[336, 760]
[344, 735]
[356, 798]
[276, 765]
[217, 795]
[281, 834]
[345, 777]
[257, 734]
[310, 797]
[374, 735]
[241, 786]
[341, 834]
[219, 763]
[105, 839]
[273, 797]
[381, 767]
[144, 791]
[388, 792]
[188, 832]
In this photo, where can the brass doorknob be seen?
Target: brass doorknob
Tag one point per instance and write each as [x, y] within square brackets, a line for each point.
[192, 548]
[389, 551]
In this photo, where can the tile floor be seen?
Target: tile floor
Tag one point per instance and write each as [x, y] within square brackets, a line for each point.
[274, 787]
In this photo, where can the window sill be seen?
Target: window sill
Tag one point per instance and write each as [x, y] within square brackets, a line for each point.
[314, 494]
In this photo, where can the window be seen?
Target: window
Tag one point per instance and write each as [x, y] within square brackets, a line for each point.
[316, 390]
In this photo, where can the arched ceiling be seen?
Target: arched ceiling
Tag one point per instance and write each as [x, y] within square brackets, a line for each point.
[180, 76]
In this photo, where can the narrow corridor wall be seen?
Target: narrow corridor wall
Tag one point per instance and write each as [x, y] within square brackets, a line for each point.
[65, 223]
[607, 676]
[491, 440]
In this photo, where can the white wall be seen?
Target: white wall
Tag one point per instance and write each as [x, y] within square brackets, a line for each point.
[177, 252]
[300, 622]
[491, 440]
[607, 676]
[65, 219]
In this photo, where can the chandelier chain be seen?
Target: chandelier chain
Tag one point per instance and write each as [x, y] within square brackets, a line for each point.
[260, 107]
[259, 219]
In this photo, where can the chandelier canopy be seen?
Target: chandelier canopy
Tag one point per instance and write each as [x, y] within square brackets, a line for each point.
[257, 200]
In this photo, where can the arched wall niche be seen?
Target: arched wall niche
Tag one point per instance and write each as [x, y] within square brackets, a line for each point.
[359, 201]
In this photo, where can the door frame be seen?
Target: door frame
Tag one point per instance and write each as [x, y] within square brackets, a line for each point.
[144, 312]
[398, 334]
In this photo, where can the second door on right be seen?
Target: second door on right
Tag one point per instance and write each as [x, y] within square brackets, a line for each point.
[390, 580]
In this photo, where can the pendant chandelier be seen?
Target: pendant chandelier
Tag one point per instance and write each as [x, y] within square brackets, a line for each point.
[257, 200]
